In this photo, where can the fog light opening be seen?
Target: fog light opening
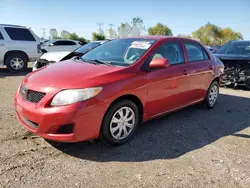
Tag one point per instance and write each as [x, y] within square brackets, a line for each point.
[65, 129]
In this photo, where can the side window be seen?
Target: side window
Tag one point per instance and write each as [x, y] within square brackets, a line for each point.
[70, 43]
[171, 51]
[19, 34]
[1, 36]
[64, 43]
[195, 52]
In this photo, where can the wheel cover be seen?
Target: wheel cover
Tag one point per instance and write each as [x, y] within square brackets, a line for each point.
[122, 123]
[213, 95]
[16, 63]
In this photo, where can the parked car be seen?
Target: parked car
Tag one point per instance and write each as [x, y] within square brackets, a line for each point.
[236, 57]
[60, 45]
[110, 90]
[18, 45]
[54, 57]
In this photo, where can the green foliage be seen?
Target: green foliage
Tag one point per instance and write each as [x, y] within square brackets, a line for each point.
[211, 34]
[137, 28]
[185, 36]
[53, 33]
[73, 36]
[65, 34]
[160, 29]
[97, 36]
[124, 30]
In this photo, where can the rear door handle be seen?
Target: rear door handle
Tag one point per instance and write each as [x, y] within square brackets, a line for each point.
[1, 44]
[210, 67]
[185, 72]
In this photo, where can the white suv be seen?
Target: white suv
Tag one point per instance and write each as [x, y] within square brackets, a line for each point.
[60, 45]
[18, 46]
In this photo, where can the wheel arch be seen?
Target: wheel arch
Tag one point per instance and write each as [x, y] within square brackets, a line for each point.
[132, 98]
[15, 52]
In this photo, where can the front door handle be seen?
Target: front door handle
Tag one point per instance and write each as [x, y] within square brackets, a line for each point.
[1, 44]
[210, 67]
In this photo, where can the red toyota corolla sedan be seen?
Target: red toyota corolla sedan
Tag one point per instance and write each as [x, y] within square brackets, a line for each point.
[109, 91]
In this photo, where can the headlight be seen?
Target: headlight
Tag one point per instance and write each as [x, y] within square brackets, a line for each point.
[74, 95]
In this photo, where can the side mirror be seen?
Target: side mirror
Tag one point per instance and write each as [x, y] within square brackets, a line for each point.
[159, 63]
[51, 44]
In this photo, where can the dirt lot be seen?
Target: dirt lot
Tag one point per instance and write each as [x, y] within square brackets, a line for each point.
[190, 148]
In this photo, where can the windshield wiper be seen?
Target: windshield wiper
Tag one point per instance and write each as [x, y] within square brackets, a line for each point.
[97, 62]
[100, 62]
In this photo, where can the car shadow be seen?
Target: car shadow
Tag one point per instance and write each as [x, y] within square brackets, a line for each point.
[173, 135]
[5, 73]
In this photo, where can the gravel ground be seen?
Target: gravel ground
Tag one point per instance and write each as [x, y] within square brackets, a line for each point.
[194, 147]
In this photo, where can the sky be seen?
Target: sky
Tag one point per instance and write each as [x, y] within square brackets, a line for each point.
[82, 16]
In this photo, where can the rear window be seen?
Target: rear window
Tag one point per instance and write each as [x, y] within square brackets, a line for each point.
[19, 34]
[195, 52]
[1, 36]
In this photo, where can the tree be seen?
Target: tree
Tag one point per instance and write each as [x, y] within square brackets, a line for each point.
[138, 27]
[83, 40]
[53, 33]
[97, 36]
[124, 30]
[160, 29]
[211, 34]
[185, 36]
[112, 33]
[73, 36]
[228, 34]
[65, 34]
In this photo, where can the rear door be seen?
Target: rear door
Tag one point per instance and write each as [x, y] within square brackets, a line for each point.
[200, 67]
[168, 88]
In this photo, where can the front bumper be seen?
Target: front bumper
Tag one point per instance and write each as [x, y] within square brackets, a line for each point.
[43, 120]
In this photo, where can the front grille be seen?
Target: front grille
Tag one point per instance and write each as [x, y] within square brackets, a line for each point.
[31, 95]
[34, 96]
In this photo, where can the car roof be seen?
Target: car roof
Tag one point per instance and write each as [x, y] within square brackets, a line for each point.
[158, 38]
[9, 25]
[63, 40]
[240, 41]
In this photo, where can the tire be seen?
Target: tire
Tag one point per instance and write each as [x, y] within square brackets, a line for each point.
[44, 51]
[109, 138]
[19, 58]
[212, 95]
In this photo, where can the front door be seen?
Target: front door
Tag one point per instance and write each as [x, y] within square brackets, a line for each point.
[168, 88]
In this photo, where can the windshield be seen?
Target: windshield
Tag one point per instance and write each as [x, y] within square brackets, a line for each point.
[235, 48]
[121, 52]
[87, 47]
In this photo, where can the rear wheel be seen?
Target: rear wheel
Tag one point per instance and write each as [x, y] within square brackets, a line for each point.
[16, 62]
[119, 123]
[212, 95]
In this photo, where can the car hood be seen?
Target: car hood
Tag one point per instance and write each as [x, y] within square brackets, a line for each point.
[54, 56]
[232, 57]
[74, 74]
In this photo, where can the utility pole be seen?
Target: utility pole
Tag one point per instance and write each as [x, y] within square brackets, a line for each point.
[100, 28]
[44, 32]
[111, 31]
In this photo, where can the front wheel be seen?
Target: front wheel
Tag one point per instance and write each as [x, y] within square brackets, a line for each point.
[212, 95]
[119, 123]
